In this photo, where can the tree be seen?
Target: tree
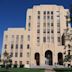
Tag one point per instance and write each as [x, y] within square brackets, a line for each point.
[7, 61]
[68, 58]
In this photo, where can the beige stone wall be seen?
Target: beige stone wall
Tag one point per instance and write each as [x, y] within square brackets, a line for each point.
[31, 30]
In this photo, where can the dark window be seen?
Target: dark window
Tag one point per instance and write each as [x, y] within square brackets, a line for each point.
[11, 46]
[38, 17]
[44, 31]
[48, 24]
[63, 39]
[28, 46]
[68, 52]
[51, 24]
[69, 46]
[20, 62]
[11, 54]
[38, 12]
[15, 62]
[38, 25]
[52, 31]
[5, 46]
[51, 17]
[51, 12]
[21, 46]
[48, 17]
[21, 54]
[58, 39]
[58, 31]
[16, 46]
[44, 39]
[47, 12]
[44, 17]
[16, 54]
[38, 31]
[38, 37]
[44, 24]
[29, 17]
[44, 12]
[27, 54]
[48, 31]
[27, 62]
[29, 24]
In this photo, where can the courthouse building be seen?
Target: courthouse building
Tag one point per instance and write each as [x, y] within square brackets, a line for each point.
[41, 42]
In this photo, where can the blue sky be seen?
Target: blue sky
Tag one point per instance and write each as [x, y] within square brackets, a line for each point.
[13, 12]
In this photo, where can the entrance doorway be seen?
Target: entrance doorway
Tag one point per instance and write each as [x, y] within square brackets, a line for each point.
[60, 58]
[48, 57]
[37, 58]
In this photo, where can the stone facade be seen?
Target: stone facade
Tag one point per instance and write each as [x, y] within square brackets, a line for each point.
[41, 42]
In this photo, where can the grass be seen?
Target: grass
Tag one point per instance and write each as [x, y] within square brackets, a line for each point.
[63, 69]
[21, 70]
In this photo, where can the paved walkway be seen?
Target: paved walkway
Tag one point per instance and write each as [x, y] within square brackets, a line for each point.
[49, 70]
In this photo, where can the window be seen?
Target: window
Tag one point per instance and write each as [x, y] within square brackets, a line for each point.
[38, 37]
[38, 31]
[68, 52]
[16, 54]
[58, 31]
[58, 39]
[38, 12]
[44, 39]
[51, 24]
[16, 46]
[47, 12]
[44, 12]
[15, 62]
[28, 37]
[20, 62]
[51, 17]
[48, 24]
[28, 46]
[11, 54]
[29, 17]
[52, 31]
[38, 17]
[27, 62]
[21, 54]
[11, 46]
[52, 39]
[17, 37]
[44, 17]
[51, 12]
[48, 31]
[48, 38]
[29, 24]
[69, 45]
[48, 17]
[38, 25]
[21, 38]
[27, 54]
[58, 16]
[58, 24]
[12, 36]
[44, 31]
[5, 46]
[21, 46]
[44, 24]
[6, 36]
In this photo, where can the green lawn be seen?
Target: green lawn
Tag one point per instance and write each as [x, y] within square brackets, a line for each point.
[22, 70]
[63, 69]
